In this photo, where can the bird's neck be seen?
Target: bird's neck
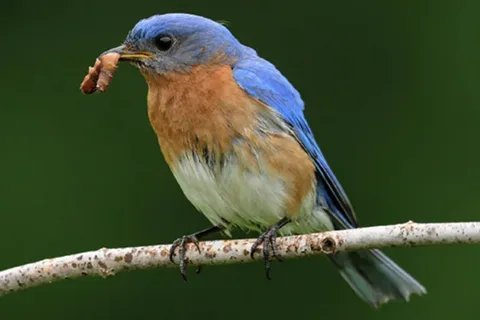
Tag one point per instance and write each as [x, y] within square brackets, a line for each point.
[204, 108]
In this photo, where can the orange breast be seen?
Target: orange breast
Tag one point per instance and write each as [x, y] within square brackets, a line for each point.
[202, 108]
[206, 109]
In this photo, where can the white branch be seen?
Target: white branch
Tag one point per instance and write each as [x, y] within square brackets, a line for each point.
[106, 262]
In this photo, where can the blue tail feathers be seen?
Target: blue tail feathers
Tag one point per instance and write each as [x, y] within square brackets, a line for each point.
[375, 278]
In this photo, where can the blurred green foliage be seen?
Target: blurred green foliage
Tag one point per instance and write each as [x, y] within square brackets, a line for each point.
[391, 89]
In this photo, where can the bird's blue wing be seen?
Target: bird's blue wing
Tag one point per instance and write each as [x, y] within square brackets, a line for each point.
[261, 80]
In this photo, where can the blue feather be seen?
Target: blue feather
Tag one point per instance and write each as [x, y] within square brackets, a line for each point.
[261, 80]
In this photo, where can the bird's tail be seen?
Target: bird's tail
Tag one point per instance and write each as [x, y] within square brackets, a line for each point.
[376, 278]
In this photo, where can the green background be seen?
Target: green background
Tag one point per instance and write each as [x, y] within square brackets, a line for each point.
[391, 89]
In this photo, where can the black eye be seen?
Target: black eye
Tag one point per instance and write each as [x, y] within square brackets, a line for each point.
[163, 42]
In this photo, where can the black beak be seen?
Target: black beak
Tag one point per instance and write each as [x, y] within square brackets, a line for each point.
[128, 55]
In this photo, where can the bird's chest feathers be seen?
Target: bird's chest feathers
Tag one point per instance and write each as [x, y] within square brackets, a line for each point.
[232, 156]
[199, 110]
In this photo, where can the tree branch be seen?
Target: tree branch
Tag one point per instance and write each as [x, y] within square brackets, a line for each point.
[106, 262]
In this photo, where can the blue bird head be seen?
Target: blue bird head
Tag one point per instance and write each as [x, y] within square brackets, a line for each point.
[176, 42]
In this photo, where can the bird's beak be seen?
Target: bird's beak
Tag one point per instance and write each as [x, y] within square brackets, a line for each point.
[128, 54]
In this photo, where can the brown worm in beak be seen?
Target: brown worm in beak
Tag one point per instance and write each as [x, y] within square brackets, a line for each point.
[100, 75]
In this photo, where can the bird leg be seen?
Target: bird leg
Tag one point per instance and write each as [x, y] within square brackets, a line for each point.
[181, 244]
[269, 240]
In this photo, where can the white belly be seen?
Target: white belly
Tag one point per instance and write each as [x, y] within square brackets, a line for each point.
[249, 199]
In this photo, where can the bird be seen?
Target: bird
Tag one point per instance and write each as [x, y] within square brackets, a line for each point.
[233, 131]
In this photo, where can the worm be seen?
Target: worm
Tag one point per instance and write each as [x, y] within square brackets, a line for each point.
[100, 75]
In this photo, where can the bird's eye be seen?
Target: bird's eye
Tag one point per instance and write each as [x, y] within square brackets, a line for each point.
[163, 42]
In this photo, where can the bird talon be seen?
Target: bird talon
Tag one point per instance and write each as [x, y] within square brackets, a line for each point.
[173, 247]
[181, 244]
[268, 269]
[273, 245]
[269, 249]
[197, 245]
[254, 247]
[269, 243]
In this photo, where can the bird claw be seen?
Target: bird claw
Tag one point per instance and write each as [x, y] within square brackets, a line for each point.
[269, 240]
[181, 244]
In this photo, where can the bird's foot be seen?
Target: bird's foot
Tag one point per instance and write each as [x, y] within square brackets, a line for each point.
[269, 240]
[181, 244]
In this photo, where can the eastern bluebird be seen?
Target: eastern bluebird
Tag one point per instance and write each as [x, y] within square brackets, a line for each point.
[232, 130]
